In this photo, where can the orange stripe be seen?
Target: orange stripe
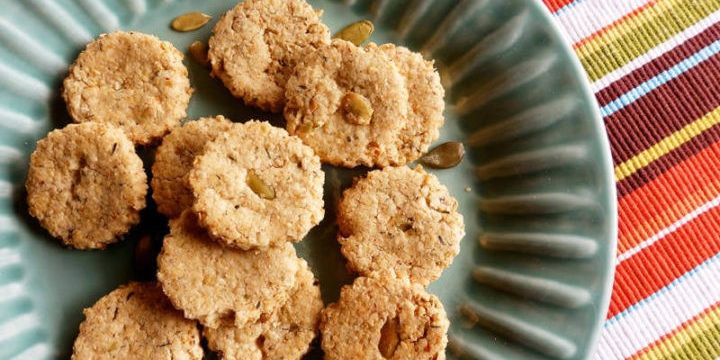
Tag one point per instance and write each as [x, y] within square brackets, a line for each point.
[667, 198]
[555, 5]
[667, 339]
[615, 23]
[664, 261]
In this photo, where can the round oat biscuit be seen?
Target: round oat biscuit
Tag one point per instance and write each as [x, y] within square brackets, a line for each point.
[86, 185]
[384, 318]
[316, 113]
[285, 334]
[174, 160]
[400, 220]
[256, 45]
[426, 95]
[255, 152]
[131, 80]
[136, 321]
[211, 282]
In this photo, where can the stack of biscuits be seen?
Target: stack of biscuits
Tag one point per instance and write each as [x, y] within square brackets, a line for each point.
[238, 195]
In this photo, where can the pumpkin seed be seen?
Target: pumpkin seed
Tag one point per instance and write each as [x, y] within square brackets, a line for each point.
[190, 21]
[389, 338]
[356, 109]
[357, 32]
[199, 52]
[444, 156]
[259, 187]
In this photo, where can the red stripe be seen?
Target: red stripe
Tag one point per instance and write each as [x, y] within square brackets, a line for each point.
[665, 110]
[658, 265]
[666, 199]
[658, 65]
[665, 163]
[555, 5]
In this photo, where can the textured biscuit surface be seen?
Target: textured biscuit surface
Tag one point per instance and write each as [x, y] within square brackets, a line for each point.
[314, 109]
[211, 282]
[426, 100]
[283, 335]
[131, 80]
[136, 321]
[174, 160]
[229, 208]
[400, 220]
[256, 45]
[86, 184]
[384, 318]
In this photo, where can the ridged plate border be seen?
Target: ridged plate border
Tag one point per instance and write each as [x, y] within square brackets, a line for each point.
[534, 275]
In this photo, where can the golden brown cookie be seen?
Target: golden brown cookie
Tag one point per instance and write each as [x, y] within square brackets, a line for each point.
[256, 45]
[283, 335]
[402, 221]
[256, 186]
[426, 96]
[349, 105]
[86, 185]
[384, 318]
[136, 321]
[131, 80]
[211, 282]
[174, 160]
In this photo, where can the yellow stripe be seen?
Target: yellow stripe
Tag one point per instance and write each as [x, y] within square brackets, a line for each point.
[705, 324]
[640, 33]
[669, 143]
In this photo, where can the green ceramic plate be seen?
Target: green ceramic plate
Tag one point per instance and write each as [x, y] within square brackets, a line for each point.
[536, 190]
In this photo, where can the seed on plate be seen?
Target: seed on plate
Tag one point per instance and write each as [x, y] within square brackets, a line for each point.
[259, 187]
[357, 32]
[356, 109]
[444, 156]
[199, 52]
[190, 21]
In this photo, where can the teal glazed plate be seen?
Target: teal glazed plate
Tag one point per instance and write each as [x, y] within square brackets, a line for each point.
[533, 278]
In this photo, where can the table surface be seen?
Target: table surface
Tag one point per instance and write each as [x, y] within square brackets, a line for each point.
[655, 69]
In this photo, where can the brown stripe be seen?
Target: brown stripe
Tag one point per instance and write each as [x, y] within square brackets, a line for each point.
[652, 171]
[658, 65]
[665, 110]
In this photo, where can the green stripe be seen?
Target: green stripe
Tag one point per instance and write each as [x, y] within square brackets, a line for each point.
[703, 346]
[636, 36]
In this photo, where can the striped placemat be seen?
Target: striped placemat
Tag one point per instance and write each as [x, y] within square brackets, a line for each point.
[655, 69]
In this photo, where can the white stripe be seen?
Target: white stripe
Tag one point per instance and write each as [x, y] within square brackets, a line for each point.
[670, 229]
[643, 323]
[656, 52]
[590, 16]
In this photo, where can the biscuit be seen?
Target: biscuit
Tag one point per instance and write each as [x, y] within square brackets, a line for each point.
[400, 220]
[131, 80]
[174, 160]
[256, 45]
[211, 282]
[136, 321]
[228, 206]
[86, 185]
[384, 318]
[284, 334]
[315, 109]
[426, 95]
